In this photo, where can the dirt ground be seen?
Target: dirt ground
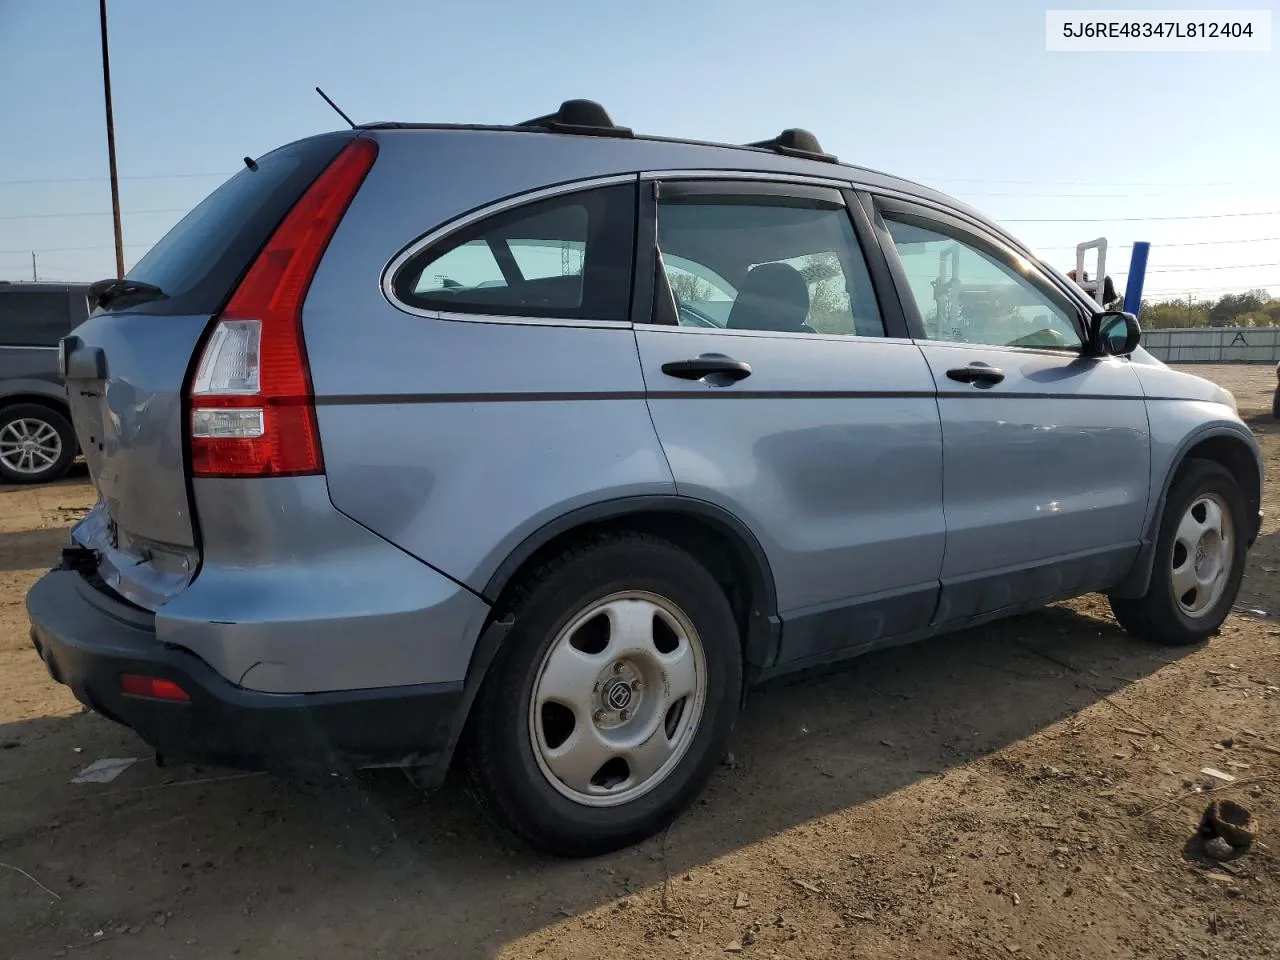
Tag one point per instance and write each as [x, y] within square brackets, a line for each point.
[1023, 790]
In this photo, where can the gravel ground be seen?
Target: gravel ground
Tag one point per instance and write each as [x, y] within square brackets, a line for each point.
[1023, 790]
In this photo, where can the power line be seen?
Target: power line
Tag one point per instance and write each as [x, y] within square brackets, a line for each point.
[1233, 266]
[93, 213]
[1056, 195]
[96, 246]
[1185, 216]
[1104, 183]
[148, 176]
[1148, 294]
[1190, 243]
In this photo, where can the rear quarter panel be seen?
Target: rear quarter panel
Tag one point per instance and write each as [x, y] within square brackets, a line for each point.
[457, 439]
[467, 437]
[294, 597]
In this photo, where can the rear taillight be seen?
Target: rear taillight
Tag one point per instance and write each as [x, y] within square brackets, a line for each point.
[253, 411]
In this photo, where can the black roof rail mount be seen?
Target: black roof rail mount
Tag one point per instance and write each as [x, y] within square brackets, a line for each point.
[796, 142]
[582, 117]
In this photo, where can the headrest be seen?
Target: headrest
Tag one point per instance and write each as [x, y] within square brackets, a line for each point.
[774, 296]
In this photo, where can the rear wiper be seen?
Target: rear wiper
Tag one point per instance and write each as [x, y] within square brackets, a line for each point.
[104, 291]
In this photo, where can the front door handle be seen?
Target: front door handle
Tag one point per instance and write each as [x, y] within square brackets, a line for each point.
[715, 369]
[982, 374]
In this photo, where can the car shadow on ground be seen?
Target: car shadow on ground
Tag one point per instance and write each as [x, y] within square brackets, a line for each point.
[32, 549]
[76, 474]
[356, 864]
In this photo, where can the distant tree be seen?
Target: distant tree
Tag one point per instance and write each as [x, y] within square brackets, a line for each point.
[1232, 308]
[829, 310]
[1173, 314]
[689, 288]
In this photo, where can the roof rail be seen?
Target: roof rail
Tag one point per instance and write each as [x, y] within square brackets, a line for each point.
[795, 142]
[582, 117]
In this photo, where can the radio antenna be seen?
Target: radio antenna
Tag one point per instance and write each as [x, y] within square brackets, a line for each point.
[336, 109]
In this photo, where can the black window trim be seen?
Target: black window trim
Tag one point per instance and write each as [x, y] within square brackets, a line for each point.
[951, 223]
[444, 231]
[698, 186]
[731, 190]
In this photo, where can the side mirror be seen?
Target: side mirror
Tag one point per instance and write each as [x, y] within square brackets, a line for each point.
[1113, 333]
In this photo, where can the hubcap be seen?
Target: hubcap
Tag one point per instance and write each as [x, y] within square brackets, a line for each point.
[29, 445]
[1202, 555]
[618, 699]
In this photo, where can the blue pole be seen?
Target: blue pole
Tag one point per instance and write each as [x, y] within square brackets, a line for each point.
[1137, 274]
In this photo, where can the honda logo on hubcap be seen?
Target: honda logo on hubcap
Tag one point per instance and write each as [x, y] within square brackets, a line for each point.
[618, 695]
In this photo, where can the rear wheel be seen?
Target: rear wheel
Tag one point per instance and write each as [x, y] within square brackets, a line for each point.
[612, 700]
[37, 444]
[1199, 560]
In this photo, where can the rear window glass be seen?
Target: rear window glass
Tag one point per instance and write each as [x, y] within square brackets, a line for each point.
[567, 256]
[30, 318]
[198, 262]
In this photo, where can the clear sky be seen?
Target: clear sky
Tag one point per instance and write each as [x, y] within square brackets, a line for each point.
[961, 96]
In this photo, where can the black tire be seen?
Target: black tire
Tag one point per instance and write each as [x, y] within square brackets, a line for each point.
[500, 760]
[60, 424]
[1157, 616]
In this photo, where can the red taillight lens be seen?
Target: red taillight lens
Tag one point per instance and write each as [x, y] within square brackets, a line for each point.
[253, 410]
[153, 688]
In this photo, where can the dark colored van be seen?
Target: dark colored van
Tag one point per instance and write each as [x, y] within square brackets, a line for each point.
[37, 443]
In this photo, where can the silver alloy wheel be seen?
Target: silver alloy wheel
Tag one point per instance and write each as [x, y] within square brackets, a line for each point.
[618, 699]
[29, 446]
[1202, 555]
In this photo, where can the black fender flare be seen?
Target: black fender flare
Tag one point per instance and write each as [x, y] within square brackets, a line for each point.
[763, 633]
[751, 552]
[1136, 581]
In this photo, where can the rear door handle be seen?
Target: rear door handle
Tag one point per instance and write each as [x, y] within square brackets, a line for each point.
[714, 369]
[983, 374]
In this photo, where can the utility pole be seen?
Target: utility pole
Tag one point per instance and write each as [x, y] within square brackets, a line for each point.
[111, 142]
[33, 267]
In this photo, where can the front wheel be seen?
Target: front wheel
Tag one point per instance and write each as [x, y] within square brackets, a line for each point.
[1199, 560]
[612, 700]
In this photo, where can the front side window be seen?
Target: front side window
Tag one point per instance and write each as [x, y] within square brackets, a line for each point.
[567, 256]
[966, 295]
[768, 263]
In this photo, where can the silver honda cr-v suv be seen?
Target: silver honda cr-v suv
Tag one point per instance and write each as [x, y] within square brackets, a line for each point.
[540, 444]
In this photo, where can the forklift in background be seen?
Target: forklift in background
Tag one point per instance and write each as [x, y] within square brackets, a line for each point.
[954, 301]
[1103, 292]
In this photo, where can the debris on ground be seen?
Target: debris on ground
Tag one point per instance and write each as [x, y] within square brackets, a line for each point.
[1230, 823]
[104, 770]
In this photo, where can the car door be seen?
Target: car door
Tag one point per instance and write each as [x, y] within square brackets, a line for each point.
[782, 392]
[1046, 450]
[32, 320]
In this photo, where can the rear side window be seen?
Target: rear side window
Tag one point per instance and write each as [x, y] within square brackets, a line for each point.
[199, 261]
[31, 318]
[565, 257]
